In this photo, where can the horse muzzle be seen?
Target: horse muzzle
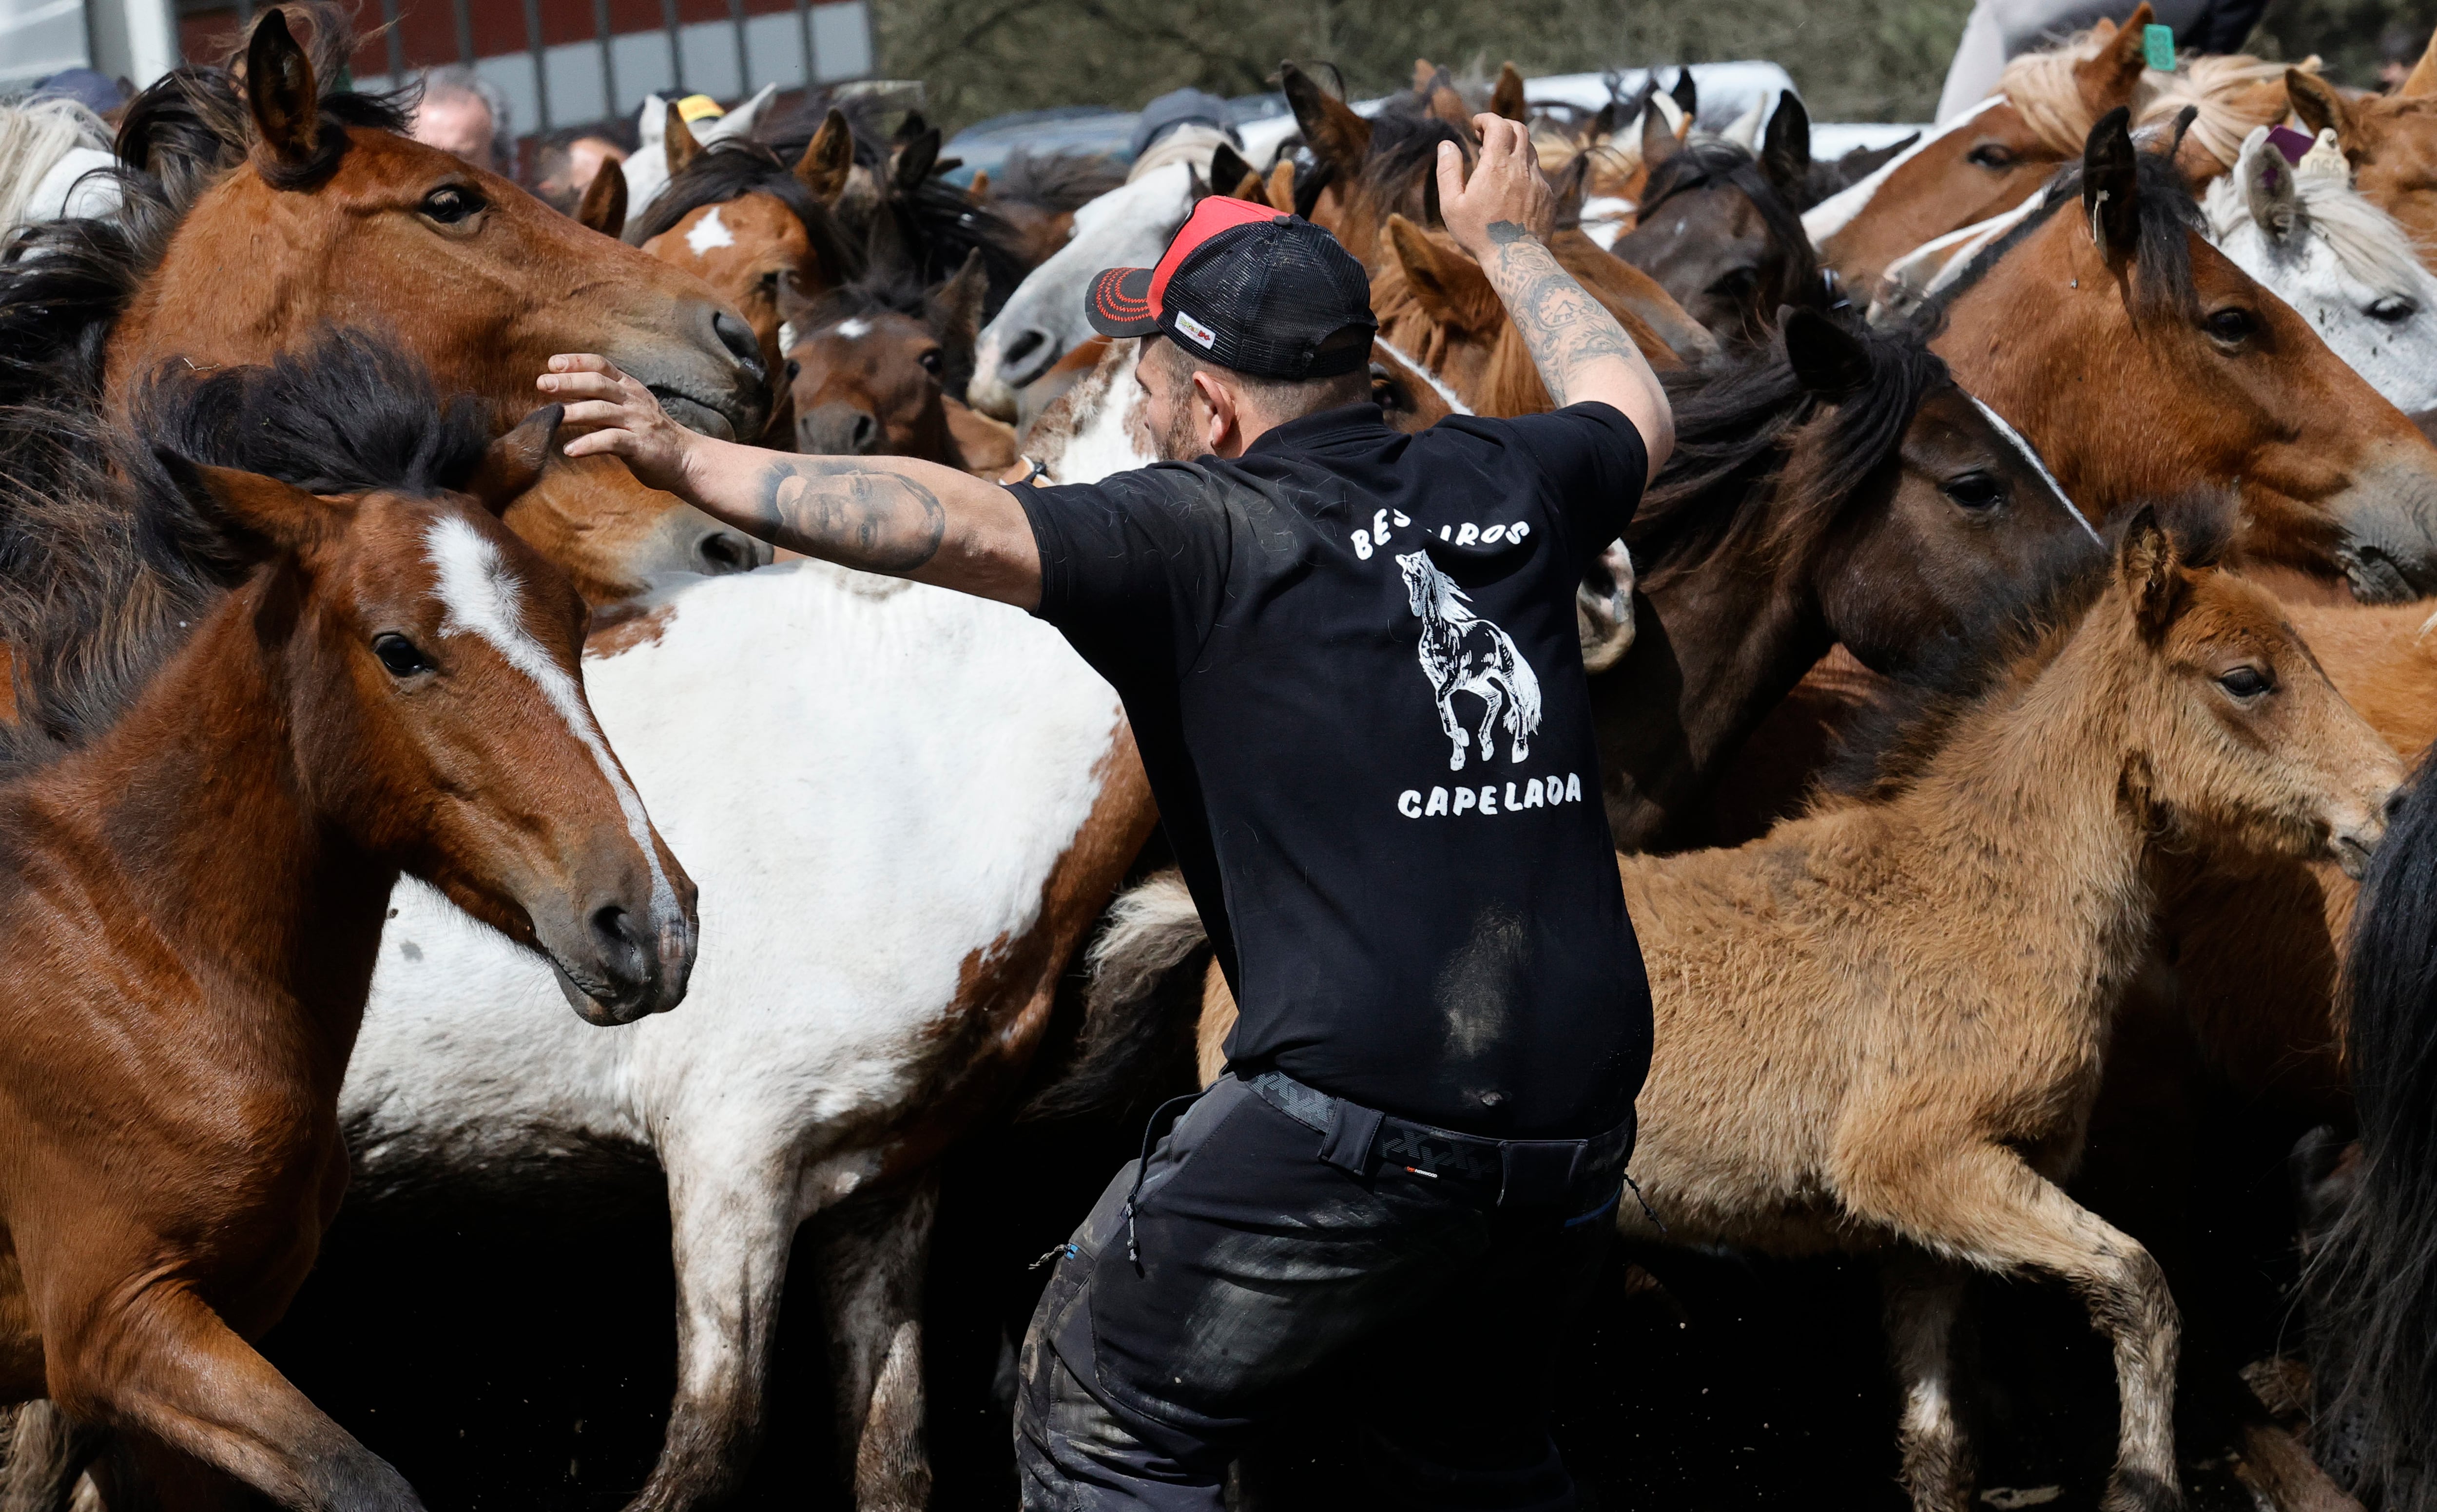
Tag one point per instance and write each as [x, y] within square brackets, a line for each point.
[622, 955]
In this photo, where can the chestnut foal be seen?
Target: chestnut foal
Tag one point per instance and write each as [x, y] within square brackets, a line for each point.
[292, 701]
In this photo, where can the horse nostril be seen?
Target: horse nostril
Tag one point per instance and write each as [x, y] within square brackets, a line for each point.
[614, 931]
[2395, 804]
[738, 338]
[721, 552]
[1023, 346]
[867, 432]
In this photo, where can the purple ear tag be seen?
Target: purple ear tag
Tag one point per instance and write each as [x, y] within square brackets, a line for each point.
[2290, 143]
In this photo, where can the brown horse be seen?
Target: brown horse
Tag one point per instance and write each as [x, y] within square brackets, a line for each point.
[878, 369]
[260, 215]
[1880, 1029]
[758, 229]
[2389, 140]
[1038, 195]
[2140, 361]
[1718, 224]
[358, 687]
[1434, 302]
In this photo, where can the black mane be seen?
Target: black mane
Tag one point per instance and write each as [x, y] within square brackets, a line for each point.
[1055, 180]
[1736, 423]
[2161, 255]
[107, 563]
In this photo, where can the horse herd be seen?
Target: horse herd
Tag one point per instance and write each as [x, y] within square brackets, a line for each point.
[2016, 669]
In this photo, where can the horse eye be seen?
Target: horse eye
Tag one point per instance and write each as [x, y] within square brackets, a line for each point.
[399, 655]
[1990, 155]
[1736, 283]
[794, 370]
[770, 282]
[2231, 324]
[930, 361]
[1975, 490]
[452, 203]
[2393, 309]
[2244, 682]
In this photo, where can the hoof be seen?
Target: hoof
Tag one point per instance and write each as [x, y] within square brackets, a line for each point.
[2140, 1491]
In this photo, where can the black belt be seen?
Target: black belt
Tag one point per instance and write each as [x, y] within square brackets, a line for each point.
[1523, 1172]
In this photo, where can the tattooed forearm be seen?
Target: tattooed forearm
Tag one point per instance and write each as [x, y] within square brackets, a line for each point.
[855, 514]
[1569, 335]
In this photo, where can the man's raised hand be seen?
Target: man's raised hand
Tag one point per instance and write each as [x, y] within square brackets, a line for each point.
[1506, 198]
[621, 417]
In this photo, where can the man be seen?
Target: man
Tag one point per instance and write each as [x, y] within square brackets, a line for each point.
[465, 113]
[568, 160]
[1351, 663]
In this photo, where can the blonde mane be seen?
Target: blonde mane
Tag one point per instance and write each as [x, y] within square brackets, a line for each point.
[34, 136]
[2044, 92]
[2234, 96]
[1192, 143]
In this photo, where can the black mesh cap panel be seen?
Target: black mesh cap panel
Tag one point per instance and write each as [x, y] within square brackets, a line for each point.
[1264, 299]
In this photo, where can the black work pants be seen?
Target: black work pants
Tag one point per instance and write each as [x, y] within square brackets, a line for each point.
[1254, 1263]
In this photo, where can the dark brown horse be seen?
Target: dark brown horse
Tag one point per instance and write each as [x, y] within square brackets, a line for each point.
[2142, 362]
[251, 714]
[878, 369]
[257, 211]
[1720, 226]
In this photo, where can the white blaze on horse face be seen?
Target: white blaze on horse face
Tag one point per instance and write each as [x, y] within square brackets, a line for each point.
[854, 330]
[709, 233]
[483, 599]
[2032, 456]
[1406, 360]
[1836, 212]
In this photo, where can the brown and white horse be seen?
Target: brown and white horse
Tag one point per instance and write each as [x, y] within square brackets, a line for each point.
[298, 701]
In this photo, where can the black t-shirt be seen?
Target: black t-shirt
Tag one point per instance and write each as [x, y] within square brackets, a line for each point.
[1351, 663]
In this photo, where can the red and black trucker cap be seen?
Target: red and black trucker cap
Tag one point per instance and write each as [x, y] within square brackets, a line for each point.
[1249, 288]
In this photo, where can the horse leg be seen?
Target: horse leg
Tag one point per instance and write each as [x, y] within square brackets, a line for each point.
[872, 1253]
[1490, 704]
[46, 1453]
[1984, 1205]
[166, 1366]
[1456, 733]
[1923, 1303]
[732, 1224]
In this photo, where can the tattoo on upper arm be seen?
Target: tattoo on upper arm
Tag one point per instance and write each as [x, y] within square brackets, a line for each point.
[859, 515]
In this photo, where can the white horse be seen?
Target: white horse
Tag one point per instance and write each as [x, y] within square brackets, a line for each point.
[905, 807]
[2344, 264]
[1463, 653]
[1042, 320]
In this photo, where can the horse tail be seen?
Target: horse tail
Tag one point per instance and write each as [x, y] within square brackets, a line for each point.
[1523, 708]
[1142, 1005]
[2372, 1283]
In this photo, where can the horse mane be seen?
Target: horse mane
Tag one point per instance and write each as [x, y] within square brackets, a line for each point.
[64, 284]
[1740, 423]
[34, 135]
[730, 169]
[1404, 147]
[2371, 246]
[1900, 732]
[1059, 182]
[2371, 1286]
[107, 564]
[2162, 255]
[1193, 143]
[2229, 95]
[2044, 92]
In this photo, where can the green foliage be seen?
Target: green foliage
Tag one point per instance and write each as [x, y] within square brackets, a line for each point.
[2345, 33]
[1853, 59]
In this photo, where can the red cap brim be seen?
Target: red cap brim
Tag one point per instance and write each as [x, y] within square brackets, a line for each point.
[1119, 303]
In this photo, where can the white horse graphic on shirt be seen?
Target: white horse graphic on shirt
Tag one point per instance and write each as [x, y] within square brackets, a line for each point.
[1462, 652]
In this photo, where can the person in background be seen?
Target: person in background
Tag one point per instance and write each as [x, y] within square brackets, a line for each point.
[568, 160]
[465, 113]
[1998, 29]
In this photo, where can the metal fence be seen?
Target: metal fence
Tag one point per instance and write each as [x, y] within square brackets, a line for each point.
[564, 62]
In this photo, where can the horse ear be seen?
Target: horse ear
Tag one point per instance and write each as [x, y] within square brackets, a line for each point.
[677, 138]
[277, 515]
[916, 160]
[1232, 176]
[1506, 98]
[2147, 565]
[2423, 77]
[1334, 134]
[1658, 139]
[1829, 359]
[1603, 125]
[2108, 77]
[955, 307]
[1451, 286]
[1573, 184]
[1424, 71]
[603, 205]
[514, 462]
[1281, 187]
[280, 92]
[828, 159]
[2268, 191]
[2320, 108]
[2111, 185]
[1687, 95]
[1786, 148]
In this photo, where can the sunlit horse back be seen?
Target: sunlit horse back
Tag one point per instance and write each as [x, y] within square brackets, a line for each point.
[242, 721]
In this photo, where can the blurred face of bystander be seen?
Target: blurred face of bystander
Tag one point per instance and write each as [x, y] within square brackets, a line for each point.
[457, 121]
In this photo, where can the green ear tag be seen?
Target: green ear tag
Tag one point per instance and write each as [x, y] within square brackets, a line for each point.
[2158, 47]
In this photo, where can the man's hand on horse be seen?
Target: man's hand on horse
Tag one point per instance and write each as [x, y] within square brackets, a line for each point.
[1507, 195]
[617, 415]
